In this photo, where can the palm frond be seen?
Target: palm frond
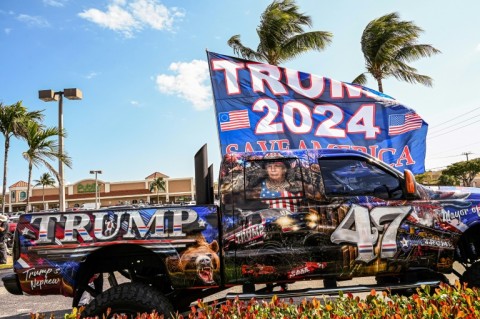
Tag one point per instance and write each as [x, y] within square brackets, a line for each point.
[241, 50]
[360, 80]
[281, 35]
[388, 43]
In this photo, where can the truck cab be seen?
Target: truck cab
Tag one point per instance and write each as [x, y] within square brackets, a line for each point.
[344, 212]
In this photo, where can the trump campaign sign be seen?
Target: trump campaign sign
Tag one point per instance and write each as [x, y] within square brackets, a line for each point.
[262, 107]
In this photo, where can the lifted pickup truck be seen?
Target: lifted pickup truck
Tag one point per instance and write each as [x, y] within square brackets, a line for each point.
[283, 216]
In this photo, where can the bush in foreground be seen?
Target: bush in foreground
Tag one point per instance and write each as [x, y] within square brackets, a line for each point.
[447, 301]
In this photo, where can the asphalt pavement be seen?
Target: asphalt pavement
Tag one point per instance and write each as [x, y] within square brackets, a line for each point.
[16, 306]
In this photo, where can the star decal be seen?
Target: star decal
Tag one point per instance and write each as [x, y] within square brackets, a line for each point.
[201, 222]
[25, 231]
[404, 242]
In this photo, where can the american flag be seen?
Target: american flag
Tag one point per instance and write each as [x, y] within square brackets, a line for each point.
[279, 199]
[234, 120]
[402, 123]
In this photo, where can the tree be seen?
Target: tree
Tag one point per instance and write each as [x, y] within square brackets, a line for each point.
[45, 180]
[281, 35]
[464, 171]
[424, 178]
[387, 45]
[12, 123]
[447, 180]
[157, 185]
[42, 148]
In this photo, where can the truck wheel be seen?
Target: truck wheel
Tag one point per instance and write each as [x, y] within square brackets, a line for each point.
[472, 275]
[128, 299]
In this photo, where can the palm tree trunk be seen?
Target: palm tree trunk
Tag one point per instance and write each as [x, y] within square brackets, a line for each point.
[158, 198]
[5, 160]
[43, 197]
[380, 85]
[28, 186]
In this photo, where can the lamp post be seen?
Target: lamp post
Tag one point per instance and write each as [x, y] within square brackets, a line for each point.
[48, 96]
[97, 193]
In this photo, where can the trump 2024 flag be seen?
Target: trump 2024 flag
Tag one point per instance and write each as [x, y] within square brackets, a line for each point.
[261, 107]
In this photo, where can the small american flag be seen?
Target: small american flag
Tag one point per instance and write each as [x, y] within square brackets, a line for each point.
[402, 123]
[234, 120]
[276, 199]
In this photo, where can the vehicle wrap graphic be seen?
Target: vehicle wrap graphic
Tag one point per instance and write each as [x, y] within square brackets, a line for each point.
[53, 245]
[348, 216]
[356, 235]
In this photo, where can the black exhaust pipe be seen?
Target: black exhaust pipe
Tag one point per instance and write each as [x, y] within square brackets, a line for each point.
[202, 178]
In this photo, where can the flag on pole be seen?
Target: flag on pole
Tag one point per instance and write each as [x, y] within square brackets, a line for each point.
[262, 107]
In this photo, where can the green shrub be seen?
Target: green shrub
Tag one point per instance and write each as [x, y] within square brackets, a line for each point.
[447, 301]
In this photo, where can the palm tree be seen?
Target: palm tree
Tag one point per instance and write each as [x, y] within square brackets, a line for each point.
[281, 35]
[12, 123]
[387, 45]
[42, 148]
[45, 180]
[157, 185]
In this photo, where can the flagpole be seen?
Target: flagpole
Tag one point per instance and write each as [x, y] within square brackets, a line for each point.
[214, 100]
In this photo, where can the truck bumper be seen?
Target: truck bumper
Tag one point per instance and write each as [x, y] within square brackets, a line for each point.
[12, 285]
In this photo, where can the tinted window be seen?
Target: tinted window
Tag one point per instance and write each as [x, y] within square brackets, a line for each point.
[353, 177]
[279, 178]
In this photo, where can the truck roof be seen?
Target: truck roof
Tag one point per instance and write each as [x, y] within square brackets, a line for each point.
[307, 155]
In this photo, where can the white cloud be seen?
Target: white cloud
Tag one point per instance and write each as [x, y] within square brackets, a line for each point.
[135, 103]
[33, 21]
[7, 30]
[116, 19]
[54, 3]
[190, 82]
[91, 75]
[478, 47]
[128, 17]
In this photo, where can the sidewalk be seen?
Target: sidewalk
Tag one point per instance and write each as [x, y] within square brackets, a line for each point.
[8, 264]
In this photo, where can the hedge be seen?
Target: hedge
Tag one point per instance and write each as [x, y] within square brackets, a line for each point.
[446, 301]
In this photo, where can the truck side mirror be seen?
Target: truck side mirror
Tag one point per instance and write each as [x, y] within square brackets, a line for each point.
[410, 184]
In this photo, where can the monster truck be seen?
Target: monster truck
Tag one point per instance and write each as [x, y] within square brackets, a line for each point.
[341, 214]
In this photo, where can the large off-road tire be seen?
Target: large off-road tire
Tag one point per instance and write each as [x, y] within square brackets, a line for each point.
[472, 275]
[129, 299]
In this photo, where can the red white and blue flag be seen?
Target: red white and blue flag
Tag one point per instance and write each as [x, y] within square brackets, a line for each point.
[402, 123]
[279, 199]
[262, 107]
[233, 120]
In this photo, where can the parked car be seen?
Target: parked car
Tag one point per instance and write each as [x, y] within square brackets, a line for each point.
[12, 223]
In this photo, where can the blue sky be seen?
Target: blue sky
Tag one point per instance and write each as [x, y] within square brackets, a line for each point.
[141, 65]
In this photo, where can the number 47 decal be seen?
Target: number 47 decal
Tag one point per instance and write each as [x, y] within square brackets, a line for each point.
[365, 236]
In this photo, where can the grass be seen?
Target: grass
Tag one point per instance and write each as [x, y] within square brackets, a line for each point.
[9, 263]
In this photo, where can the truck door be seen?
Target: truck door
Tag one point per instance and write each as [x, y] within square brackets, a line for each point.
[371, 213]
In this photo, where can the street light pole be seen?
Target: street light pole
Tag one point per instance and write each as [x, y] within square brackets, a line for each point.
[48, 96]
[61, 183]
[97, 193]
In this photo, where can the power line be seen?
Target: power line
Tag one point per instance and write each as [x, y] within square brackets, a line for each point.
[435, 126]
[456, 148]
[442, 129]
[445, 166]
[446, 156]
[453, 130]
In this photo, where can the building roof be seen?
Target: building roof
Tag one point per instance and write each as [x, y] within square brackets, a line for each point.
[39, 198]
[156, 175]
[19, 184]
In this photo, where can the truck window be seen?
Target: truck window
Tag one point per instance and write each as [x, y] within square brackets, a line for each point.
[276, 182]
[355, 177]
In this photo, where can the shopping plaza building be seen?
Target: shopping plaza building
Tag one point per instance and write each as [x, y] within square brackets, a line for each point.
[177, 191]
